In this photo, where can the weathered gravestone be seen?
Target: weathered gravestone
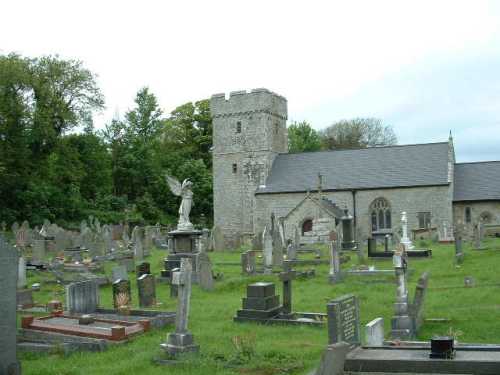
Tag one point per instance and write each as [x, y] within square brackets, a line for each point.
[128, 263]
[8, 281]
[343, 320]
[268, 250]
[181, 341]
[38, 252]
[147, 290]
[335, 274]
[206, 276]
[248, 265]
[21, 273]
[260, 304]
[401, 323]
[122, 295]
[119, 273]
[82, 297]
[417, 307]
[374, 332]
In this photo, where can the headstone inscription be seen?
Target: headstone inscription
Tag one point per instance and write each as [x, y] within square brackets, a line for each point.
[8, 280]
[122, 295]
[343, 320]
[181, 341]
[82, 297]
[147, 290]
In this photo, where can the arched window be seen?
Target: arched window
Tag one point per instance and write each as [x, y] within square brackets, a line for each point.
[485, 217]
[380, 214]
[307, 226]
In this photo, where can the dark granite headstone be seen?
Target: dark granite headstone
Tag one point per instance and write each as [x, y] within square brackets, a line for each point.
[261, 303]
[143, 268]
[147, 290]
[82, 297]
[8, 282]
[121, 293]
[343, 320]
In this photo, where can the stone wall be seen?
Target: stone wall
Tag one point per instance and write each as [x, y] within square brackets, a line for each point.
[434, 199]
[477, 208]
[249, 130]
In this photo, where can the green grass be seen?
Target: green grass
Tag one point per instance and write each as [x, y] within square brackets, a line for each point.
[277, 349]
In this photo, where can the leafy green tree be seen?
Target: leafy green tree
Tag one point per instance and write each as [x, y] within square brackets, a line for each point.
[358, 133]
[302, 137]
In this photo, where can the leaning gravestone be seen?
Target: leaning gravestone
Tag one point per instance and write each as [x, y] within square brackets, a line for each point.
[147, 290]
[82, 297]
[343, 320]
[8, 282]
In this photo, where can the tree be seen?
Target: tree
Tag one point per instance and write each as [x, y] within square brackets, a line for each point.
[302, 137]
[357, 133]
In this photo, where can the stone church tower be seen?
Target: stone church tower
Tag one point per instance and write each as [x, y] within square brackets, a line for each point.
[249, 130]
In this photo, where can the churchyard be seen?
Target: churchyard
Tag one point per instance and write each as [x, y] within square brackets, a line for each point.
[462, 300]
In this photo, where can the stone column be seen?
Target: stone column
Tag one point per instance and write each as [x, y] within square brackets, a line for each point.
[181, 340]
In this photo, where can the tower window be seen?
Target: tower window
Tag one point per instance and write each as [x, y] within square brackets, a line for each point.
[238, 127]
[235, 168]
[468, 215]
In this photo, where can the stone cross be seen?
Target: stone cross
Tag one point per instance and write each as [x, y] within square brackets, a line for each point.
[181, 340]
[405, 240]
[8, 281]
[287, 276]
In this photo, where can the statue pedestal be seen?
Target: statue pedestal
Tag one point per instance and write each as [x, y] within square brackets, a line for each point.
[184, 244]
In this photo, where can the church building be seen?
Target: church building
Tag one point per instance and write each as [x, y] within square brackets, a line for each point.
[255, 177]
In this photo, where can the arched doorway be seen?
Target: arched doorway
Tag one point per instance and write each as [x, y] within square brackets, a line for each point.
[307, 226]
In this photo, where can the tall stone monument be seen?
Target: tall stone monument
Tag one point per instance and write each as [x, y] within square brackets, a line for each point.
[401, 323]
[184, 240]
[405, 240]
[8, 282]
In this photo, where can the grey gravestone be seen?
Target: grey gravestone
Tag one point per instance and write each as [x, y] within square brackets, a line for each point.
[374, 332]
[335, 274]
[82, 297]
[21, 273]
[8, 282]
[38, 251]
[218, 238]
[417, 307]
[206, 276]
[119, 273]
[147, 290]
[260, 304]
[181, 340]
[248, 265]
[268, 250]
[128, 263]
[277, 248]
[343, 320]
[122, 295]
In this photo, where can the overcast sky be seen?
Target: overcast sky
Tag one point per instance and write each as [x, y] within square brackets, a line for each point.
[425, 67]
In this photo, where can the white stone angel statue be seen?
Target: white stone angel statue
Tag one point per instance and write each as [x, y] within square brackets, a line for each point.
[182, 190]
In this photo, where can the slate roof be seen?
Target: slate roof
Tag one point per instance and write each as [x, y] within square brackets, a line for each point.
[477, 181]
[369, 168]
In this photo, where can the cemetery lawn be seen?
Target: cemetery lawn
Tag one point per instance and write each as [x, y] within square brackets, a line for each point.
[244, 348]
